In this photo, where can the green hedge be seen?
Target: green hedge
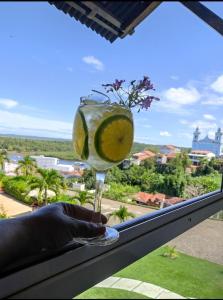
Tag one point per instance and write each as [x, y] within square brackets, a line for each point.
[17, 187]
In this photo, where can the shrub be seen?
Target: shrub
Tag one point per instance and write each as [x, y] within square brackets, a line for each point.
[18, 188]
[3, 214]
[120, 192]
[170, 252]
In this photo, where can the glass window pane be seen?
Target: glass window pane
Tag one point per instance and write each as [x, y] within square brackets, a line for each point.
[189, 266]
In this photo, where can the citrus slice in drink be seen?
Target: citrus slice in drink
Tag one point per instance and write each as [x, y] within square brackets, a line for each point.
[114, 137]
[80, 136]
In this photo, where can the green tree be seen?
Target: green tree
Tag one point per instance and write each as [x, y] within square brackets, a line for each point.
[48, 180]
[84, 198]
[205, 168]
[3, 158]
[115, 174]
[149, 164]
[122, 214]
[27, 166]
[88, 178]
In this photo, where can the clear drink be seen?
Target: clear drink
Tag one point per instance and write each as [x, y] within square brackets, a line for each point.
[102, 137]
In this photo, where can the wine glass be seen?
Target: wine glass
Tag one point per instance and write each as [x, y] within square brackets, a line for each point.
[102, 137]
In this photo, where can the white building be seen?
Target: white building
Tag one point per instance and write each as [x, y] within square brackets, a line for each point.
[64, 168]
[196, 156]
[10, 168]
[46, 162]
[78, 186]
[207, 144]
[52, 163]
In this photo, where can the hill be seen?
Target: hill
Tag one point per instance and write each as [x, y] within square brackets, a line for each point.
[60, 148]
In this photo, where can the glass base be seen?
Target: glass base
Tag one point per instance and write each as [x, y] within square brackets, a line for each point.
[111, 236]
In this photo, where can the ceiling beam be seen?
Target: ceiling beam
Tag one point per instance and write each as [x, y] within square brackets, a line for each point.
[129, 29]
[205, 14]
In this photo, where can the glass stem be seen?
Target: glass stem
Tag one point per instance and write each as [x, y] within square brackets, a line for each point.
[100, 179]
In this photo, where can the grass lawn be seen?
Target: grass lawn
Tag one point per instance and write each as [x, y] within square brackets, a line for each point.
[102, 293]
[186, 275]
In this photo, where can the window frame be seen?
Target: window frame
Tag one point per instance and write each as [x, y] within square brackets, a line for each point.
[55, 277]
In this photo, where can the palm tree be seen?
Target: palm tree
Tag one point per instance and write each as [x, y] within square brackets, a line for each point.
[3, 158]
[84, 198]
[48, 180]
[27, 166]
[122, 214]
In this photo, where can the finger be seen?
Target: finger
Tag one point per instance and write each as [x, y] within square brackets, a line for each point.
[85, 229]
[82, 213]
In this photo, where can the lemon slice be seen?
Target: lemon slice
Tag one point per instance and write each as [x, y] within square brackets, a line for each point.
[80, 136]
[114, 138]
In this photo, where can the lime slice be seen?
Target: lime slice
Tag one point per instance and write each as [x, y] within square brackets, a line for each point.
[80, 136]
[114, 138]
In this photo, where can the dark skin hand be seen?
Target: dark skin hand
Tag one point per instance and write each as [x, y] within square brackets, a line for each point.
[48, 228]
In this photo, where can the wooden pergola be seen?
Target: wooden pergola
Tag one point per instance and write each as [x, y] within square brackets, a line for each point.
[117, 19]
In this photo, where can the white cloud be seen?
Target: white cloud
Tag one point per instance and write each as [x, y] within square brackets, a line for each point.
[8, 103]
[25, 124]
[217, 85]
[182, 96]
[95, 62]
[165, 133]
[209, 117]
[213, 101]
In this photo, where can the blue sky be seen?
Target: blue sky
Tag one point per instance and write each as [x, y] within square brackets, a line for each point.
[49, 60]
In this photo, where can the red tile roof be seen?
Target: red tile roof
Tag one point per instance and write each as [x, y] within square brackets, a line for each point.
[144, 155]
[145, 197]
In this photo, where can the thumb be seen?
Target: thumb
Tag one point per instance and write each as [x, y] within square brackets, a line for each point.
[86, 229]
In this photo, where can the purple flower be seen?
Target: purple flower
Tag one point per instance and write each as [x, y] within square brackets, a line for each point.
[145, 84]
[134, 95]
[117, 84]
[146, 103]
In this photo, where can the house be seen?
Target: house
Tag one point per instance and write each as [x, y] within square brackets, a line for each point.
[155, 200]
[78, 186]
[196, 156]
[161, 158]
[46, 162]
[139, 157]
[10, 168]
[169, 149]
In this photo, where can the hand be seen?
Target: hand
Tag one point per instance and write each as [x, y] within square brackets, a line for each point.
[49, 228]
[57, 224]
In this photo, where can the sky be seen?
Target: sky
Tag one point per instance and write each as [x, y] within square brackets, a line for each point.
[49, 60]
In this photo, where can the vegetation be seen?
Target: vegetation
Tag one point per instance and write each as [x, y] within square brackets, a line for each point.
[170, 252]
[48, 180]
[121, 192]
[3, 158]
[83, 198]
[27, 166]
[62, 149]
[201, 279]
[122, 214]
[3, 214]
